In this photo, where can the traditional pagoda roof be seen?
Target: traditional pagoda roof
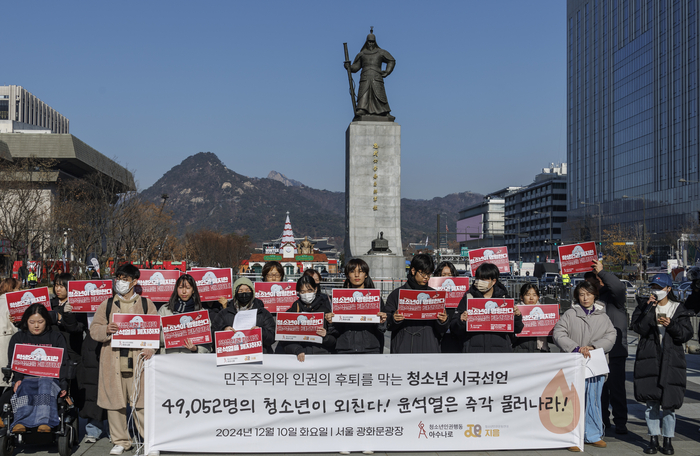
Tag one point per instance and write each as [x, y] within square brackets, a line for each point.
[288, 234]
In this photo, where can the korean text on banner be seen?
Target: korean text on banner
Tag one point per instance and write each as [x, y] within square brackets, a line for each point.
[157, 284]
[277, 296]
[19, 301]
[494, 255]
[330, 403]
[353, 305]
[421, 304]
[37, 360]
[136, 331]
[238, 346]
[454, 287]
[490, 314]
[191, 325]
[539, 319]
[213, 283]
[575, 258]
[87, 295]
[299, 326]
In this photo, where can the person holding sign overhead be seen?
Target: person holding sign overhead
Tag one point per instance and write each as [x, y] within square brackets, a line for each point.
[185, 298]
[415, 336]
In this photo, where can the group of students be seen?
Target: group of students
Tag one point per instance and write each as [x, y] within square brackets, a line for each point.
[108, 379]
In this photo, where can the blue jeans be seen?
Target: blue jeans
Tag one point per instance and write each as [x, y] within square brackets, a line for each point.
[93, 428]
[593, 431]
[660, 421]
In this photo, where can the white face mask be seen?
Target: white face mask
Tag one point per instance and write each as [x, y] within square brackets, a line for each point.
[307, 298]
[659, 294]
[482, 285]
[122, 287]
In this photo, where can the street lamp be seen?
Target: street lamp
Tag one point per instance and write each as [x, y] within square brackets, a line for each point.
[644, 221]
[600, 219]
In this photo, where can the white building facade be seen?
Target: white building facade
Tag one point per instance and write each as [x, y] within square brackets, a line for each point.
[22, 112]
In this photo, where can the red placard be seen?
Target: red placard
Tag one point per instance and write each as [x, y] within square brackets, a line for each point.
[238, 346]
[136, 331]
[493, 255]
[191, 325]
[213, 283]
[454, 287]
[277, 296]
[19, 301]
[539, 319]
[575, 258]
[37, 360]
[490, 314]
[356, 305]
[421, 304]
[87, 295]
[157, 284]
[299, 326]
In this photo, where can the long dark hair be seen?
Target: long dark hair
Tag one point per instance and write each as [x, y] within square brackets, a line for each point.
[364, 267]
[174, 298]
[63, 279]
[307, 280]
[33, 310]
[527, 287]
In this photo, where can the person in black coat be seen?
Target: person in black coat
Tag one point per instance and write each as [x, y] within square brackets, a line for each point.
[663, 325]
[310, 300]
[355, 338]
[486, 285]
[415, 336]
[529, 296]
[449, 343]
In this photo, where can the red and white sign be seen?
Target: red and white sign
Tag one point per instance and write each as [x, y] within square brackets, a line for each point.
[191, 325]
[136, 331]
[87, 295]
[575, 258]
[539, 319]
[213, 283]
[37, 360]
[238, 346]
[493, 255]
[277, 296]
[421, 304]
[157, 284]
[356, 305]
[19, 301]
[454, 287]
[490, 314]
[299, 326]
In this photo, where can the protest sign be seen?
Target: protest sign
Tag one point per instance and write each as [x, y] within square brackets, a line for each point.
[299, 326]
[136, 331]
[190, 325]
[19, 301]
[454, 287]
[238, 346]
[277, 296]
[87, 295]
[213, 283]
[575, 258]
[493, 255]
[490, 314]
[539, 319]
[157, 284]
[421, 304]
[353, 305]
[40, 361]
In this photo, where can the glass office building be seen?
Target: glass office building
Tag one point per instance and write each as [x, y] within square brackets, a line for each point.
[632, 116]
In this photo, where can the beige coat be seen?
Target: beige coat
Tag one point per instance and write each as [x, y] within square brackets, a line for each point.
[109, 391]
[7, 329]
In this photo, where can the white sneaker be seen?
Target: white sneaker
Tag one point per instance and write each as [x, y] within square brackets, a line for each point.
[344, 452]
[116, 449]
[154, 453]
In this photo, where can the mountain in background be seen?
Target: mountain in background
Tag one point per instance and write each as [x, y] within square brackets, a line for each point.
[274, 175]
[204, 193]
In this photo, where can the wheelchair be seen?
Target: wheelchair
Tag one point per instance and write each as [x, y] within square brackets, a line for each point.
[65, 435]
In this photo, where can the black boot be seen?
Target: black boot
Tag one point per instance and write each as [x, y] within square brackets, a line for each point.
[653, 445]
[667, 448]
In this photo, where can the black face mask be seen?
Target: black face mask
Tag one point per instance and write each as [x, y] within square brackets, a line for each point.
[244, 297]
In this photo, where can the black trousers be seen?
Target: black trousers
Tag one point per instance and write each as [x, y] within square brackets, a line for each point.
[614, 393]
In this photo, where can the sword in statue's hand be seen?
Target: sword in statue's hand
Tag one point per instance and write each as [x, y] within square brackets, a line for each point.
[350, 80]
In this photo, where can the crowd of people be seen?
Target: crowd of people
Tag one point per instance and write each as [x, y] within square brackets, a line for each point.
[109, 381]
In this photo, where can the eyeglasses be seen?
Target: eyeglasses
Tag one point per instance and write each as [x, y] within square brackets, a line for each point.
[273, 275]
[424, 274]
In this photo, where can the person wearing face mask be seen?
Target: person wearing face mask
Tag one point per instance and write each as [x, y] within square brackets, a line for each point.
[529, 296]
[415, 336]
[244, 299]
[310, 300]
[185, 298]
[663, 325]
[449, 342]
[486, 285]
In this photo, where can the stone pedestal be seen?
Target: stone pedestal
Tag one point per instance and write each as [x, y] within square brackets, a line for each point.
[373, 195]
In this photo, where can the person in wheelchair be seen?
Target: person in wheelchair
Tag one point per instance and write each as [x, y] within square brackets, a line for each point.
[35, 402]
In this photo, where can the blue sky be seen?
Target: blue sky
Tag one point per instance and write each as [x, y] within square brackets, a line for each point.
[479, 88]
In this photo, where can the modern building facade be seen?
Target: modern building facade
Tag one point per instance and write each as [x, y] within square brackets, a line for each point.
[632, 115]
[482, 224]
[20, 112]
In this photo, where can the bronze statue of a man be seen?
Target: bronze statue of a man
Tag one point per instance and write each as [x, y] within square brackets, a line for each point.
[371, 98]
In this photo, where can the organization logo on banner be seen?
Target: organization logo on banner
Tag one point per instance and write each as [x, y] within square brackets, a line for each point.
[87, 295]
[213, 283]
[276, 296]
[356, 306]
[561, 411]
[454, 287]
[19, 301]
[576, 258]
[494, 255]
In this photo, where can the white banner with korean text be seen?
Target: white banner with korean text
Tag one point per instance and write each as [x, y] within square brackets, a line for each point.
[331, 403]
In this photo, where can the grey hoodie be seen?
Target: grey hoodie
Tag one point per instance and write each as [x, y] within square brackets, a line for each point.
[576, 329]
